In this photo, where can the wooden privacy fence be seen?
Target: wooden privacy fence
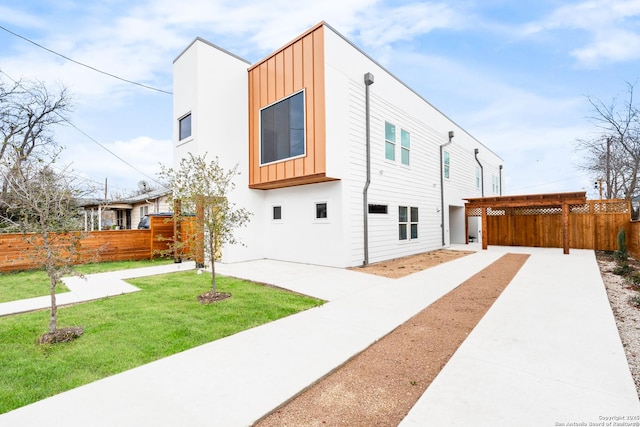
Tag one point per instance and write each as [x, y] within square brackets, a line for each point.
[539, 221]
[16, 253]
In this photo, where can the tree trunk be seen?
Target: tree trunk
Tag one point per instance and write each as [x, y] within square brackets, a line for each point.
[53, 320]
[214, 288]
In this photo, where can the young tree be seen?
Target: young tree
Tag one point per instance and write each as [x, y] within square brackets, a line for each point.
[40, 203]
[613, 155]
[203, 188]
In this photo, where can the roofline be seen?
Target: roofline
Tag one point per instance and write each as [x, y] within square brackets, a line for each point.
[200, 39]
[405, 85]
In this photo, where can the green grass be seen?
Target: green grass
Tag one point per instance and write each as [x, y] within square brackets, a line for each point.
[129, 330]
[35, 283]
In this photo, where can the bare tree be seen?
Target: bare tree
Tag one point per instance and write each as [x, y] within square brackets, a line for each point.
[614, 154]
[29, 110]
[41, 204]
[203, 188]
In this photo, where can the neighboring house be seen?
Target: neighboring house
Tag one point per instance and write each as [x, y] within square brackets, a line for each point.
[124, 214]
[297, 124]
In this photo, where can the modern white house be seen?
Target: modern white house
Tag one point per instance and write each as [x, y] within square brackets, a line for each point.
[341, 163]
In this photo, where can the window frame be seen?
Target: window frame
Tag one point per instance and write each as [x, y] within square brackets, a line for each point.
[304, 129]
[378, 209]
[180, 121]
[389, 143]
[405, 149]
[273, 213]
[326, 211]
[446, 164]
[477, 177]
[408, 223]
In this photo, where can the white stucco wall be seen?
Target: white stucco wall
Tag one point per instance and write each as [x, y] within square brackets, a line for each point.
[212, 84]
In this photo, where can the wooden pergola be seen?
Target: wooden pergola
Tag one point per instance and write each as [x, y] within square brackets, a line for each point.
[480, 206]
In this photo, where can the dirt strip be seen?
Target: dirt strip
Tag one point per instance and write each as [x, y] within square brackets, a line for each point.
[379, 386]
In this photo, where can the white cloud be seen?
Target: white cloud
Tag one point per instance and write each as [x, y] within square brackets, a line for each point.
[613, 29]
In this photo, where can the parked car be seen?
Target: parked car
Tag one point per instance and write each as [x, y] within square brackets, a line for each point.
[144, 223]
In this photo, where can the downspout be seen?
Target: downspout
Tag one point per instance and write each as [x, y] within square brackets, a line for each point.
[500, 177]
[451, 135]
[476, 151]
[368, 81]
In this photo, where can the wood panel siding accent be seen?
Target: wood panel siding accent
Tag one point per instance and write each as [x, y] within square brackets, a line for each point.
[297, 66]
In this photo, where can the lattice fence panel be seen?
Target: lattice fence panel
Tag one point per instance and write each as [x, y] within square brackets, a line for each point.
[538, 211]
[474, 212]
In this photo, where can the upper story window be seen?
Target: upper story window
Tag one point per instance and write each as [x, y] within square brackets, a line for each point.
[405, 146]
[447, 162]
[495, 184]
[477, 177]
[389, 141]
[184, 127]
[282, 129]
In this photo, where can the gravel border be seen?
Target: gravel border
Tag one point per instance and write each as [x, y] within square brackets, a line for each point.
[627, 316]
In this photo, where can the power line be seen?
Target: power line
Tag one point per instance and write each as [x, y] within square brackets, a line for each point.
[89, 136]
[85, 65]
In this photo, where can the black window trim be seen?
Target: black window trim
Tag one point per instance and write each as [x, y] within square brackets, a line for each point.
[304, 135]
[180, 119]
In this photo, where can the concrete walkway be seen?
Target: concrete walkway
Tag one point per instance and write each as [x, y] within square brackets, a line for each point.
[547, 352]
[92, 287]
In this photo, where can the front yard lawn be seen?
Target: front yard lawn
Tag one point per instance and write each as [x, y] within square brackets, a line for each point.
[35, 283]
[130, 330]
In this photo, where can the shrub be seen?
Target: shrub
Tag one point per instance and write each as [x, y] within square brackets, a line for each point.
[621, 254]
[623, 269]
[635, 300]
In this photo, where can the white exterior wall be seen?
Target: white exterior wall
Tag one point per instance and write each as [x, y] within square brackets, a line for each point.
[212, 84]
[392, 183]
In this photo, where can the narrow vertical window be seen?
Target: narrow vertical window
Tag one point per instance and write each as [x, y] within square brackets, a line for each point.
[184, 127]
[477, 177]
[405, 146]
[402, 222]
[446, 161]
[277, 212]
[389, 141]
[414, 223]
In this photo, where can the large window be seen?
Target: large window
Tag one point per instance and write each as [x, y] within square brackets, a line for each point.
[389, 141]
[282, 134]
[184, 125]
[407, 223]
[447, 163]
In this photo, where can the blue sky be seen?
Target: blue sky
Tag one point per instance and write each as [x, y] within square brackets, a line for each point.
[514, 74]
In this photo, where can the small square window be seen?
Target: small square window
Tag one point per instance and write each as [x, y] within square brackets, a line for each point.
[277, 212]
[184, 125]
[321, 210]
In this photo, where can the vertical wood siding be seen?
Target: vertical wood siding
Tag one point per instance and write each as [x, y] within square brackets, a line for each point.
[297, 66]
